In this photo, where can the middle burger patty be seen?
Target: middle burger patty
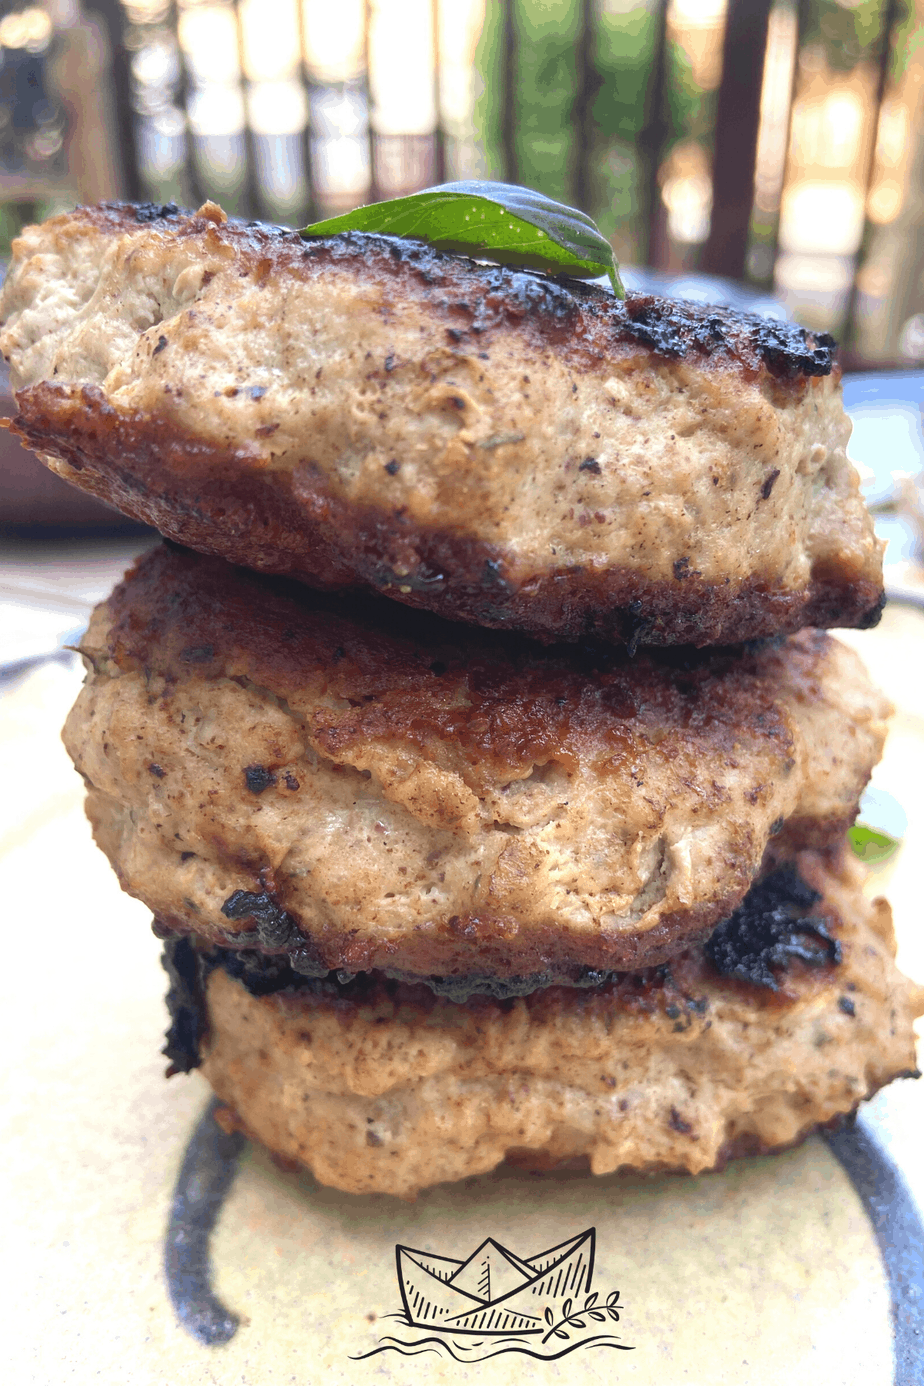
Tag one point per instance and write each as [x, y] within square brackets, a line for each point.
[370, 788]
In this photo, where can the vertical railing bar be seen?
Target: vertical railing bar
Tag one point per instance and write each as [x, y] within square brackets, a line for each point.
[803, 12]
[508, 93]
[652, 140]
[115, 21]
[734, 163]
[583, 121]
[191, 179]
[439, 132]
[889, 25]
[252, 198]
[308, 204]
[374, 193]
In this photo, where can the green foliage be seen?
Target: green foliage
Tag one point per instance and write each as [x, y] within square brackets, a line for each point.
[848, 35]
[497, 221]
[625, 53]
[546, 82]
[908, 47]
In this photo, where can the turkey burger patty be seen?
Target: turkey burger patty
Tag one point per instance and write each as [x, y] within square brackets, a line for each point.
[500, 447]
[365, 787]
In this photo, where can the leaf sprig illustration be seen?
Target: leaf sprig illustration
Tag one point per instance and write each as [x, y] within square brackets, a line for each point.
[496, 221]
[572, 1318]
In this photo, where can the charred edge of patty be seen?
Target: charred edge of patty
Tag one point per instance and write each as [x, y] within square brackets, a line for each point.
[491, 293]
[185, 1004]
[771, 928]
[133, 462]
[194, 581]
[769, 932]
[162, 617]
[464, 578]
[667, 327]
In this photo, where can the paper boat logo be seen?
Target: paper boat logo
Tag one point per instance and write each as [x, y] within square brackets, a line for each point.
[493, 1291]
[496, 1301]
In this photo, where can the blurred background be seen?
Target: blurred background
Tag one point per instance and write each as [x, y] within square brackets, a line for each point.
[776, 142]
[768, 153]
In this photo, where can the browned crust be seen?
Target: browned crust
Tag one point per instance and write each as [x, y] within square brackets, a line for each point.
[412, 677]
[220, 499]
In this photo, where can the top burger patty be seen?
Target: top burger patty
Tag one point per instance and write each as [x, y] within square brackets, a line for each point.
[495, 445]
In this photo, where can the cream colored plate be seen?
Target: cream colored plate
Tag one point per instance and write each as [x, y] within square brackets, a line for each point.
[770, 1272]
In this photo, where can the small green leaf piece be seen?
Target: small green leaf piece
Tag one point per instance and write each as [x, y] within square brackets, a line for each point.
[870, 845]
[494, 221]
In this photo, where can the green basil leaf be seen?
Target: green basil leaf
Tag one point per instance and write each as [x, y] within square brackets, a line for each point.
[871, 845]
[494, 221]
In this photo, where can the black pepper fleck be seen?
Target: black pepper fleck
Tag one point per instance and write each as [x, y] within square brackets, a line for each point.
[258, 778]
[768, 484]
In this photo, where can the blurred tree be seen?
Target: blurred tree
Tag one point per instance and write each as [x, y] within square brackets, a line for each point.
[849, 34]
[550, 87]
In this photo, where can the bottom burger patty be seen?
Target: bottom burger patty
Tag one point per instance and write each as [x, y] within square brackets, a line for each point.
[790, 1016]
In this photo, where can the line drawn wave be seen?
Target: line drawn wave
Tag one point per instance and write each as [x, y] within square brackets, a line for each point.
[413, 1349]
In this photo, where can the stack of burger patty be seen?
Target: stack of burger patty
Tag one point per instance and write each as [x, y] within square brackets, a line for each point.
[495, 804]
